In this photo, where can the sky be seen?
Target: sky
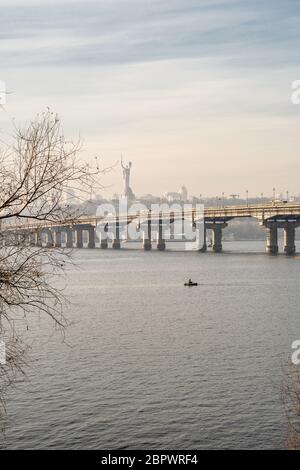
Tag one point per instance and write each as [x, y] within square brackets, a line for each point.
[194, 92]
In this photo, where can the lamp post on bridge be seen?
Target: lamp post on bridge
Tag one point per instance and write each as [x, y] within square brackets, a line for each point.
[247, 197]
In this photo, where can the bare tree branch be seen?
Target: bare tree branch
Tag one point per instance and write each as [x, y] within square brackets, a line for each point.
[36, 174]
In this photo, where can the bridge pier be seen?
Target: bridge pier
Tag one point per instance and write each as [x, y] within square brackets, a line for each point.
[46, 238]
[272, 238]
[27, 238]
[102, 236]
[57, 238]
[203, 248]
[116, 245]
[23, 238]
[38, 238]
[91, 242]
[103, 241]
[147, 245]
[161, 244]
[14, 239]
[289, 239]
[182, 225]
[217, 236]
[172, 226]
[31, 238]
[79, 238]
[69, 237]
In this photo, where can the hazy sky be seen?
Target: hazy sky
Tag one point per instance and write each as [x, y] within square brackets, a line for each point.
[192, 91]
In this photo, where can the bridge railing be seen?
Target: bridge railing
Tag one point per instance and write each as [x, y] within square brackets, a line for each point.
[260, 211]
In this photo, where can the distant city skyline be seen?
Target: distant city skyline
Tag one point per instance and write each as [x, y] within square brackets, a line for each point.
[194, 93]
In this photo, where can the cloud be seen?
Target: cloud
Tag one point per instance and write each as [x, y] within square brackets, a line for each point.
[114, 31]
[187, 89]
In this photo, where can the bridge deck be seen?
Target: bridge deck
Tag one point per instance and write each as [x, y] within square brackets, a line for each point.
[260, 211]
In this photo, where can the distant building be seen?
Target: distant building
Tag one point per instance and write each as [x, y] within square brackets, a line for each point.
[183, 193]
[172, 196]
[98, 197]
[147, 197]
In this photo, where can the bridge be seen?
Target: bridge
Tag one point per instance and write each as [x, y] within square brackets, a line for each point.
[69, 232]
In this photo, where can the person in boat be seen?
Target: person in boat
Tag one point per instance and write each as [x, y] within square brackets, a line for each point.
[191, 283]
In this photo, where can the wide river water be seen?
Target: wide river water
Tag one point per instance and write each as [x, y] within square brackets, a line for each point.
[150, 364]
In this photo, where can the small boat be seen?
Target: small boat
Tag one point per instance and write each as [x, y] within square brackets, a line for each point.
[190, 283]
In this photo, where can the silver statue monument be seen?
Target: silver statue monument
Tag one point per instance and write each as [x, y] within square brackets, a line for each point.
[126, 178]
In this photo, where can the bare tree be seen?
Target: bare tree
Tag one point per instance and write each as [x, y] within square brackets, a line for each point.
[36, 172]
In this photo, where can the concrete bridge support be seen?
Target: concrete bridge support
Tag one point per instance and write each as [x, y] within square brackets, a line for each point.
[147, 235]
[23, 240]
[182, 225]
[57, 238]
[161, 244]
[79, 238]
[38, 238]
[203, 248]
[289, 238]
[69, 237]
[13, 239]
[272, 238]
[47, 238]
[103, 241]
[31, 238]
[97, 238]
[116, 245]
[217, 236]
[28, 239]
[102, 236]
[172, 226]
[91, 242]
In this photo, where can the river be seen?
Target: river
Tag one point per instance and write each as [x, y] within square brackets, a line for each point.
[151, 364]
